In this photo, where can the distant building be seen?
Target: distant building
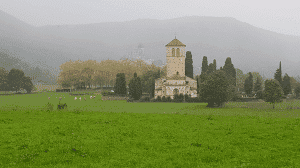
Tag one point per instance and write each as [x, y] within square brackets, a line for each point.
[175, 82]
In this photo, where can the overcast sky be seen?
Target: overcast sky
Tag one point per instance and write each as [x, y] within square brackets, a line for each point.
[275, 15]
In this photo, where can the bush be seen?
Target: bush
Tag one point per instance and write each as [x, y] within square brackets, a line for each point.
[61, 106]
[49, 107]
[145, 99]
[259, 94]
[158, 99]
[168, 99]
[187, 98]
[152, 100]
[236, 96]
[130, 99]
[163, 99]
[178, 98]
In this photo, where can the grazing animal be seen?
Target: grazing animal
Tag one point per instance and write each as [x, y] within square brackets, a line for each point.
[75, 98]
[91, 97]
[60, 98]
[94, 97]
[84, 98]
[80, 98]
[49, 98]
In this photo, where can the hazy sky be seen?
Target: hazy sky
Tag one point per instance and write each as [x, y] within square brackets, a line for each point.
[275, 15]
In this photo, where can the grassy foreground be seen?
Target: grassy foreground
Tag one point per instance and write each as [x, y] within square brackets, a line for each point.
[96, 133]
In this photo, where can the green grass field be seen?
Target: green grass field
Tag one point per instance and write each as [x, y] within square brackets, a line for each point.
[96, 133]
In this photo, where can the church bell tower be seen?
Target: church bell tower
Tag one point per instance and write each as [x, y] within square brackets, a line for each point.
[175, 58]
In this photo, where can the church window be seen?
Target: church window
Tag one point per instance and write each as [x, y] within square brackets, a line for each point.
[178, 52]
[173, 52]
[177, 72]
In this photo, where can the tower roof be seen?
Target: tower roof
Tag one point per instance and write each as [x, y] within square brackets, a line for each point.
[175, 42]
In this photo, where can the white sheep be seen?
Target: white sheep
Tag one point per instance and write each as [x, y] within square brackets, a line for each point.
[91, 97]
[75, 98]
[80, 98]
[49, 98]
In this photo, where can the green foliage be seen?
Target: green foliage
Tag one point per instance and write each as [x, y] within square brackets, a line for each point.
[120, 85]
[27, 84]
[4, 86]
[158, 99]
[187, 97]
[145, 99]
[257, 85]
[61, 106]
[15, 79]
[178, 98]
[259, 94]
[135, 87]
[148, 81]
[248, 86]
[169, 99]
[49, 107]
[216, 89]
[273, 92]
[189, 65]
[230, 71]
[286, 84]
[163, 99]
[204, 67]
[278, 75]
[297, 91]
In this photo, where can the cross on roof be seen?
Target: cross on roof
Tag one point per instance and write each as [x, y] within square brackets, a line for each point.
[175, 35]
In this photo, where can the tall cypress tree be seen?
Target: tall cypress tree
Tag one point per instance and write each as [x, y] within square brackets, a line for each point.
[189, 65]
[286, 84]
[135, 87]
[204, 65]
[278, 75]
[257, 85]
[248, 86]
[230, 71]
[117, 84]
[215, 65]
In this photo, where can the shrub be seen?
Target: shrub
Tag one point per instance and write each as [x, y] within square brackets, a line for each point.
[152, 100]
[236, 96]
[169, 99]
[163, 99]
[158, 99]
[178, 98]
[130, 99]
[61, 106]
[187, 98]
[145, 99]
[259, 94]
[49, 107]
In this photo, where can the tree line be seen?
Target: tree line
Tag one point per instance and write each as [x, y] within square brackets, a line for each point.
[219, 86]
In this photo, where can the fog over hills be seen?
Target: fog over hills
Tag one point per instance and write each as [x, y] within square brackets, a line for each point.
[250, 48]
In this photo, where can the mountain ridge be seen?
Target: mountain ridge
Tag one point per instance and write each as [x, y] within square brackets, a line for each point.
[214, 37]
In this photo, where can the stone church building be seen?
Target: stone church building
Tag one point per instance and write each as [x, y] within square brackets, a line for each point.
[175, 82]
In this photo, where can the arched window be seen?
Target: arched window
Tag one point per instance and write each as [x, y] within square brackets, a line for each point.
[175, 91]
[178, 52]
[177, 73]
[173, 52]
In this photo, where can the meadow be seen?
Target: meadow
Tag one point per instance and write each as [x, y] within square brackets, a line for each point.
[100, 133]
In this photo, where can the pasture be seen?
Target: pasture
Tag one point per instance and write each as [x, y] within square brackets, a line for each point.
[97, 133]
